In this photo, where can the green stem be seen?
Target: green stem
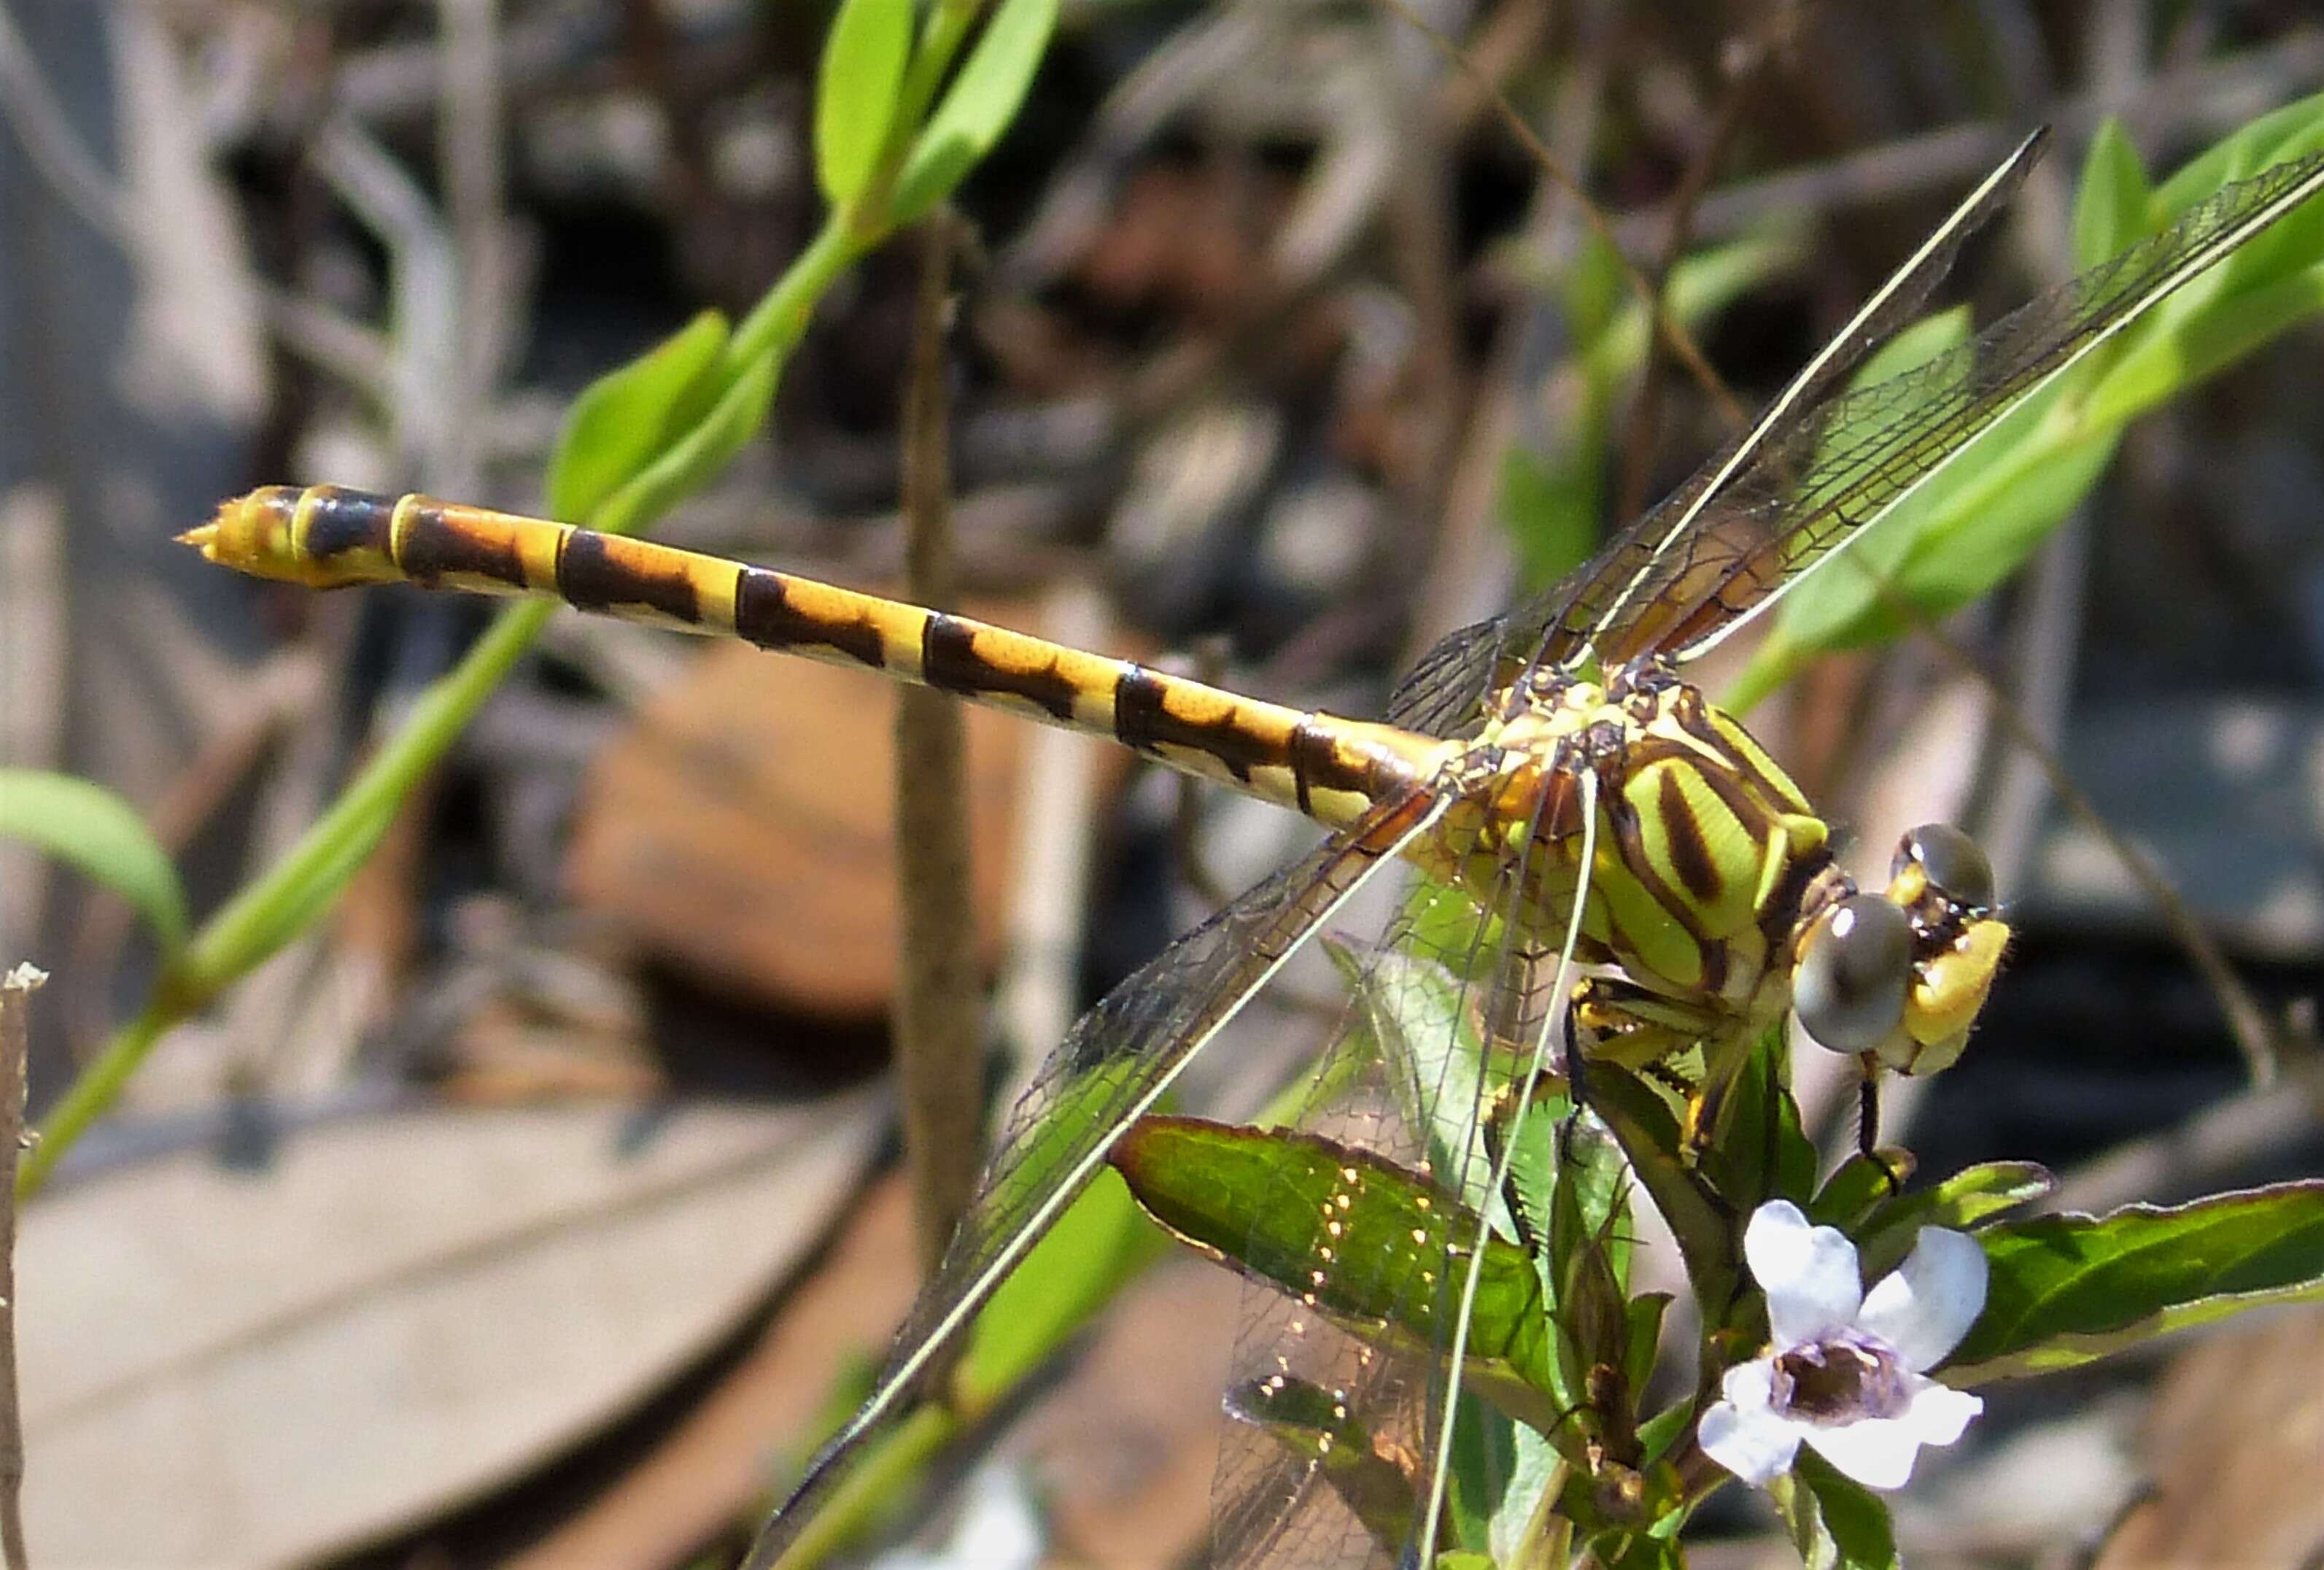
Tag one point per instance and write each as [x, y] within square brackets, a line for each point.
[93, 1092]
[779, 319]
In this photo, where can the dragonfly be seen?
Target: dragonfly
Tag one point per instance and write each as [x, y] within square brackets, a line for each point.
[1643, 884]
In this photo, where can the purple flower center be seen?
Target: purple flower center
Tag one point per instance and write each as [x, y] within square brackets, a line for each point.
[1845, 1379]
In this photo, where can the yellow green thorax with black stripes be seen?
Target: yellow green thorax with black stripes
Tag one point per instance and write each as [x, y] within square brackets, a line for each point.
[1705, 847]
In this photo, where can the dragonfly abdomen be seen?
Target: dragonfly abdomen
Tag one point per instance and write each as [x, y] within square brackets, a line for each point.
[329, 537]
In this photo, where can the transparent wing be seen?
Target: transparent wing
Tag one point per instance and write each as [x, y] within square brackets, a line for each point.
[1841, 469]
[1332, 1460]
[1447, 689]
[1815, 475]
[1110, 1069]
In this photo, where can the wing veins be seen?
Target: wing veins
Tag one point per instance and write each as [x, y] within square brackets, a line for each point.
[1148, 1027]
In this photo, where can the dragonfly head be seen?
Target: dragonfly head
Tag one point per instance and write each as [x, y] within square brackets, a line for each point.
[1902, 973]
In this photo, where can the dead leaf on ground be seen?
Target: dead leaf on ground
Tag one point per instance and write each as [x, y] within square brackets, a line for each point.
[741, 827]
[397, 1315]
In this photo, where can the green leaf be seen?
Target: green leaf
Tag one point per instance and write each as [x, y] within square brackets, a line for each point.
[1101, 1240]
[1522, 1513]
[700, 453]
[855, 92]
[1423, 1025]
[1757, 1150]
[1587, 1257]
[626, 416]
[1315, 1426]
[1859, 1186]
[2274, 136]
[2067, 1289]
[1829, 609]
[1837, 1523]
[1649, 1135]
[982, 101]
[1974, 522]
[1258, 1200]
[2110, 209]
[91, 829]
[1964, 1200]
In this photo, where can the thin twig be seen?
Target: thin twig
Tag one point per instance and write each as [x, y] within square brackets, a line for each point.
[15, 991]
[1666, 325]
[938, 1030]
[1741, 68]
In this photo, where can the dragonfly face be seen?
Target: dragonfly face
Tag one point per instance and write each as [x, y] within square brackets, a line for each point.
[1901, 975]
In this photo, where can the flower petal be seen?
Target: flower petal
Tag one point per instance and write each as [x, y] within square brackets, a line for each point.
[1750, 1386]
[1808, 1273]
[1928, 1303]
[1877, 1453]
[1940, 1414]
[1754, 1443]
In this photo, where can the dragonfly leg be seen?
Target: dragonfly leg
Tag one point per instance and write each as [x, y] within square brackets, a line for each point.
[1867, 1119]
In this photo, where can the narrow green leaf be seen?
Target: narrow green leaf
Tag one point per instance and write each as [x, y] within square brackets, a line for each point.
[864, 63]
[1708, 1240]
[1646, 1312]
[1833, 605]
[978, 106]
[626, 416]
[1974, 522]
[2155, 367]
[700, 453]
[95, 832]
[1366, 1239]
[2110, 208]
[2066, 1289]
[1968, 1198]
[1757, 1150]
[1589, 1252]
[2274, 136]
[1859, 1186]
[1101, 1240]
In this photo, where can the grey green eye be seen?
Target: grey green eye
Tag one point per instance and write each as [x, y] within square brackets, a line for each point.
[1849, 989]
[1954, 864]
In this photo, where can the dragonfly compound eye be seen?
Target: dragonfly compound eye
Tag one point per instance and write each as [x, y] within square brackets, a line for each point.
[1849, 990]
[1954, 865]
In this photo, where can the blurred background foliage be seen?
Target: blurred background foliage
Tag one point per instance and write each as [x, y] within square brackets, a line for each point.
[536, 1191]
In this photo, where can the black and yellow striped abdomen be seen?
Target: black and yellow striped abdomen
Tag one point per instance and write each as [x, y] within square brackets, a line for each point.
[326, 537]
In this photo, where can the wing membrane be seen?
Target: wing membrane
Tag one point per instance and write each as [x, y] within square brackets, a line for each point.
[1448, 687]
[1438, 1011]
[1110, 1069]
[1838, 472]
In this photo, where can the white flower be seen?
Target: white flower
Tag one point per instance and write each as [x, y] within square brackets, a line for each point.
[1846, 1371]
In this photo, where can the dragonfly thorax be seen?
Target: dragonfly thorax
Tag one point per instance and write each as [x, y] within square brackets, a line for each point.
[1705, 848]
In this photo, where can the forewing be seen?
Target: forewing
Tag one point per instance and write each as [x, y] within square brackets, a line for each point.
[1593, 607]
[1329, 1463]
[1111, 1069]
[1849, 464]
